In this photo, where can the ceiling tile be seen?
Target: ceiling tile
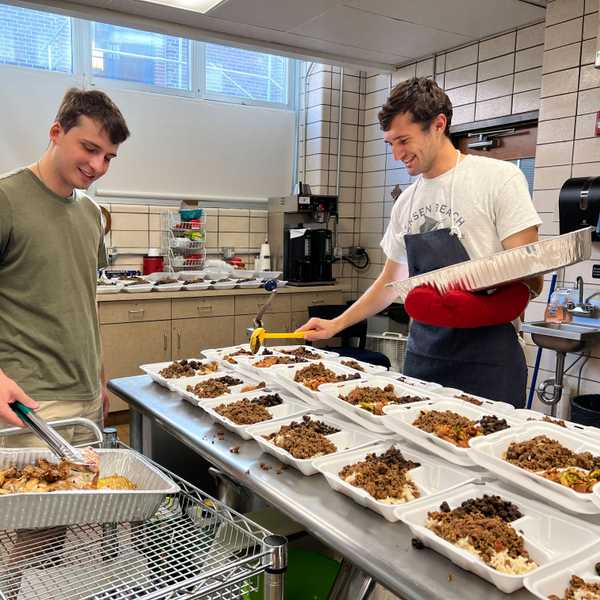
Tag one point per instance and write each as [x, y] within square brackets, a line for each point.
[274, 14]
[353, 27]
[474, 18]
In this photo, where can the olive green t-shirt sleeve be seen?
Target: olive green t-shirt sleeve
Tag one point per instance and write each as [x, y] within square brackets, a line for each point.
[102, 255]
[5, 223]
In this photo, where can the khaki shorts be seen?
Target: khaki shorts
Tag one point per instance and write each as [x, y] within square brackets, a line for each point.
[54, 410]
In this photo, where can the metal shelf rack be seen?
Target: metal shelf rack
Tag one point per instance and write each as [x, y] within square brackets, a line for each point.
[194, 547]
[183, 243]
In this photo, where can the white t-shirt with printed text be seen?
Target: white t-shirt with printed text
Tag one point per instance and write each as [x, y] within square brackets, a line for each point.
[491, 202]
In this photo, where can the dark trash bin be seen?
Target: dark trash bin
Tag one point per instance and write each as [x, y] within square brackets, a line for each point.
[585, 409]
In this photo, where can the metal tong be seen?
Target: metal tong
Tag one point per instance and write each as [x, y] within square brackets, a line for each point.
[55, 441]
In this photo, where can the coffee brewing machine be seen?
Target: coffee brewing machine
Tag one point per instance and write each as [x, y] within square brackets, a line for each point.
[301, 241]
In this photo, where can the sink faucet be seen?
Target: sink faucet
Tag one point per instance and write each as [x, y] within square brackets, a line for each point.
[582, 309]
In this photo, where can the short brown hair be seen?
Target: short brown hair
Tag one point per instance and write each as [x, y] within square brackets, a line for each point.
[422, 98]
[95, 105]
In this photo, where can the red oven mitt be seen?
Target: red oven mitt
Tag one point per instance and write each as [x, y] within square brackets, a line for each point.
[459, 309]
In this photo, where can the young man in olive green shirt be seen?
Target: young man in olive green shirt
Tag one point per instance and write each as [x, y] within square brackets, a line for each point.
[51, 243]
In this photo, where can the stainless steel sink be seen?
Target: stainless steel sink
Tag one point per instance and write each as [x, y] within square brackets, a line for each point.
[562, 337]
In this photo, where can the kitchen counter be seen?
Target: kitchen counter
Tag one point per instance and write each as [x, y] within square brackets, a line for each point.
[288, 289]
[379, 548]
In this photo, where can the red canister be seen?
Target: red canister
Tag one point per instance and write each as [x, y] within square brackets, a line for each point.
[153, 264]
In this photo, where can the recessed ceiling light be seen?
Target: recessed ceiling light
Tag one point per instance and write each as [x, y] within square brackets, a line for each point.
[201, 6]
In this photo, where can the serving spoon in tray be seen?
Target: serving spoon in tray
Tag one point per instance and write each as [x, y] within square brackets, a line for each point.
[53, 439]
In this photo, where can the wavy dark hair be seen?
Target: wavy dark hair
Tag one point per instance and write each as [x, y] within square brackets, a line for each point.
[422, 98]
[95, 105]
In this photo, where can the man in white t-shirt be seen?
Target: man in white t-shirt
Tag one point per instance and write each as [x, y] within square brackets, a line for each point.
[460, 208]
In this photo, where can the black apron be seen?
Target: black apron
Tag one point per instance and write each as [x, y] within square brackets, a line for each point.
[485, 361]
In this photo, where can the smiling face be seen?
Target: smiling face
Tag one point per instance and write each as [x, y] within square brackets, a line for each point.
[81, 155]
[415, 144]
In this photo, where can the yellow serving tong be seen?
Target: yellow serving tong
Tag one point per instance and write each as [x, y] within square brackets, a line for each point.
[259, 335]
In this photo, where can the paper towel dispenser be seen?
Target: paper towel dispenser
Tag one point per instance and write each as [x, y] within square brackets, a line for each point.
[579, 205]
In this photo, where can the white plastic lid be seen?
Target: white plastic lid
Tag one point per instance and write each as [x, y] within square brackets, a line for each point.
[154, 252]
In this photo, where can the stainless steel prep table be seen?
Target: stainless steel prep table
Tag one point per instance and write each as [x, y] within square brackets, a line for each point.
[381, 549]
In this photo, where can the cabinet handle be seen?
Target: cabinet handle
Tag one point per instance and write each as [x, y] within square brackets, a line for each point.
[317, 301]
[165, 344]
[207, 307]
[178, 340]
[139, 311]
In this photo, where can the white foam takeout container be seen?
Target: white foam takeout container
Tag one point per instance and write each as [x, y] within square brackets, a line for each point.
[367, 368]
[247, 364]
[412, 381]
[329, 394]
[323, 354]
[493, 405]
[285, 377]
[554, 578]
[530, 416]
[549, 535]
[153, 369]
[401, 418]
[288, 408]
[180, 386]
[489, 452]
[348, 437]
[433, 477]
[221, 353]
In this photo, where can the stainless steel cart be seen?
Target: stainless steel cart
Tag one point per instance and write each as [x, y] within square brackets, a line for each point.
[193, 547]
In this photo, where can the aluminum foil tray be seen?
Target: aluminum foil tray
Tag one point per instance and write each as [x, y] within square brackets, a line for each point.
[510, 265]
[31, 510]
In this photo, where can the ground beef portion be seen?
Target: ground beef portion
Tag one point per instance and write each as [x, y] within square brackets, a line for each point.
[302, 352]
[486, 536]
[214, 387]
[305, 439]
[488, 506]
[457, 429]
[244, 412]
[547, 419]
[541, 453]
[278, 360]
[230, 358]
[188, 368]
[353, 365]
[316, 374]
[469, 399]
[384, 476]
[579, 589]
[373, 399]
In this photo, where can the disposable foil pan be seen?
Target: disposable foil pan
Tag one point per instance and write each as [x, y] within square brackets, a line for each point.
[31, 510]
[510, 265]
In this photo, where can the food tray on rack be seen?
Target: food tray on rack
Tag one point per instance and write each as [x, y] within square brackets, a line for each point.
[154, 370]
[180, 386]
[30, 510]
[400, 419]
[285, 374]
[288, 408]
[192, 547]
[348, 437]
[489, 452]
[548, 535]
[432, 477]
[330, 393]
[109, 288]
[554, 579]
[506, 266]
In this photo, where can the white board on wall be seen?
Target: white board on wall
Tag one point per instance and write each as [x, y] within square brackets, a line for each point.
[179, 145]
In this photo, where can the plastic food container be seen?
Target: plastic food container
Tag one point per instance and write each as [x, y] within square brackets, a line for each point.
[346, 439]
[433, 478]
[548, 534]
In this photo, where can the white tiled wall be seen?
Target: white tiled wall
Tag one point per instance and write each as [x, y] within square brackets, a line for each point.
[137, 227]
